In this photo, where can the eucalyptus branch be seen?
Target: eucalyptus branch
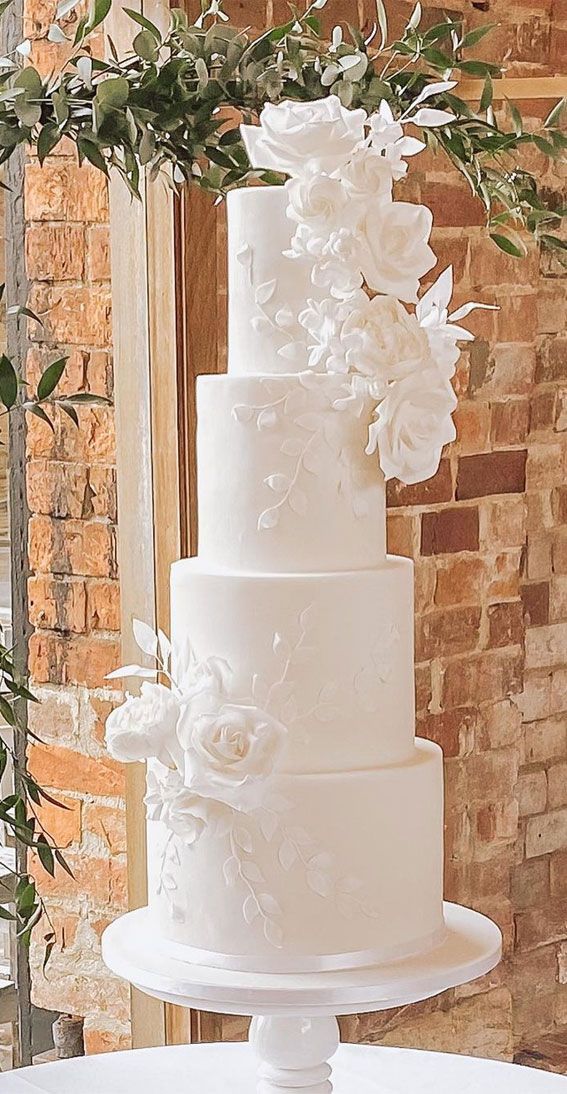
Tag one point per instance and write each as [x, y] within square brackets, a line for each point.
[177, 100]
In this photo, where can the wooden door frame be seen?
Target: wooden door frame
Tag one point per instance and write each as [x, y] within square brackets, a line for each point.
[156, 486]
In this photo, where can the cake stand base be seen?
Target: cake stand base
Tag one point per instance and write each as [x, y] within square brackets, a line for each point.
[295, 1032]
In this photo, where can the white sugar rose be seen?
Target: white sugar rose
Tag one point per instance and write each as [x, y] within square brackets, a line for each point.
[413, 424]
[186, 814]
[395, 252]
[383, 341]
[369, 175]
[144, 726]
[317, 201]
[231, 755]
[292, 134]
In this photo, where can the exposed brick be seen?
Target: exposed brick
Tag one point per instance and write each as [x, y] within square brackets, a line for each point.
[545, 740]
[65, 192]
[530, 883]
[107, 824]
[535, 601]
[106, 1040]
[505, 623]
[444, 632]
[491, 473]
[510, 422]
[546, 646]
[558, 874]
[57, 489]
[54, 659]
[551, 364]
[459, 581]
[98, 253]
[65, 769]
[540, 926]
[84, 548]
[503, 522]
[103, 605]
[77, 315]
[62, 821]
[542, 410]
[57, 604]
[559, 504]
[402, 534]
[557, 784]
[55, 252]
[472, 422]
[437, 489]
[546, 833]
[449, 531]
[451, 729]
[481, 677]
[453, 205]
[531, 791]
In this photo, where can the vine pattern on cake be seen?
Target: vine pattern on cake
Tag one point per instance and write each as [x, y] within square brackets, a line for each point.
[212, 756]
[315, 419]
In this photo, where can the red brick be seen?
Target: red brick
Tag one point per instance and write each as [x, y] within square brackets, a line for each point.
[65, 769]
[453, 205]
[54, 659]
[103, 493]
[437, 489]
[510, 422]
[65, 192]
[86, 370]
[55, 252]
[57, 489]
[103, 605]
[530, 883]
[517, 319]
[482, 677]
[447, 729]
[57, 604]
[449, 531]
[423, 691]
[98, 253]
[542, 411]
[551, 361]
[504, 522]
[472, 422]
[106, 1040]
[76, 315]
[491, 473]
[506, 624]
[108, 824]
[84, 548]
[402, 534]
[445, 632]
[535, 601]
[491, 267]
[62, 821]
[559, 504]
[460, 581]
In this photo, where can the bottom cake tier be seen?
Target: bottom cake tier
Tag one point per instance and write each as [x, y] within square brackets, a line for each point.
[334, 871]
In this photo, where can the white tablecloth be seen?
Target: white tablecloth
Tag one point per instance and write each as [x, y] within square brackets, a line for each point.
[230, 1069]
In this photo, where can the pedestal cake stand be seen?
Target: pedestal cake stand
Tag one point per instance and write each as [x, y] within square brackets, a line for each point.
[294, 1032]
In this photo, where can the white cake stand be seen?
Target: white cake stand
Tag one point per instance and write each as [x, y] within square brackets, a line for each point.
[294, 1032]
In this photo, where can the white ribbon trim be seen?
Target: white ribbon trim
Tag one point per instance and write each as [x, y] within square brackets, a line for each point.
[334, 962]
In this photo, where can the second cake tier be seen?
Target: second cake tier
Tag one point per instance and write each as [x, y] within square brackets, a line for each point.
[330, 655]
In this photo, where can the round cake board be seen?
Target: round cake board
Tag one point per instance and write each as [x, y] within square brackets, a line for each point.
[472, 947]
[294, 1032]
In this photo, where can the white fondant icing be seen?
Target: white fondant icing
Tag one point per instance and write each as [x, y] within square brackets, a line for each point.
[378, 888]
[284, 481]
[348, 695]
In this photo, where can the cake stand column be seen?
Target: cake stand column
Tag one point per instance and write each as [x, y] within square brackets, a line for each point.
[294, 1054]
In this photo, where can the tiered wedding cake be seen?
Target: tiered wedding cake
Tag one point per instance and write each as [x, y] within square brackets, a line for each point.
[295, 823]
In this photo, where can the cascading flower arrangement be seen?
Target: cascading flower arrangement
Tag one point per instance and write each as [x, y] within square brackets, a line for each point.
[367, 254]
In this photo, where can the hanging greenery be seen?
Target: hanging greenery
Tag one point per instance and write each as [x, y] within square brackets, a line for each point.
[178, 98]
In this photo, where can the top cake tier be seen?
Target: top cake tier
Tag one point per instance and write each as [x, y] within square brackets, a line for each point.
[266, 290]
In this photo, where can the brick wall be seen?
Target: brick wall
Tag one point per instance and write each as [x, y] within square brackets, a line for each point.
[489, 535]
[73, 588]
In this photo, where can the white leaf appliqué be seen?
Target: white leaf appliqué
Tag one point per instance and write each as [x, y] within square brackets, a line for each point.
[250, 909]
[242, 413]
[268, 519]
[265, 292]
[274, 933]
[231, 870]
[243, 838]
[287, 855]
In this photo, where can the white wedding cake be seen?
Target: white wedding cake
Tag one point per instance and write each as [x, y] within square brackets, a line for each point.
[295, 823]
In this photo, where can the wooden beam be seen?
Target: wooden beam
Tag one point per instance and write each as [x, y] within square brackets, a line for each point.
[537, 87]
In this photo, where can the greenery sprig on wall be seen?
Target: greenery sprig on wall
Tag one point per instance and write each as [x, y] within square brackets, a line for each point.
[177, 99]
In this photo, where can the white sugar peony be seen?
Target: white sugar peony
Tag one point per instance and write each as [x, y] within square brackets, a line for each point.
[413, 424]
[231, 755]
[383, 341]
[144, 726]
[395, 252]
[292, 133]
[186, 814]
[317, 201]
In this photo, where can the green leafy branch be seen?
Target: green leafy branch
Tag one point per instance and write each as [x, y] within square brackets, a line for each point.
[178, 97]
